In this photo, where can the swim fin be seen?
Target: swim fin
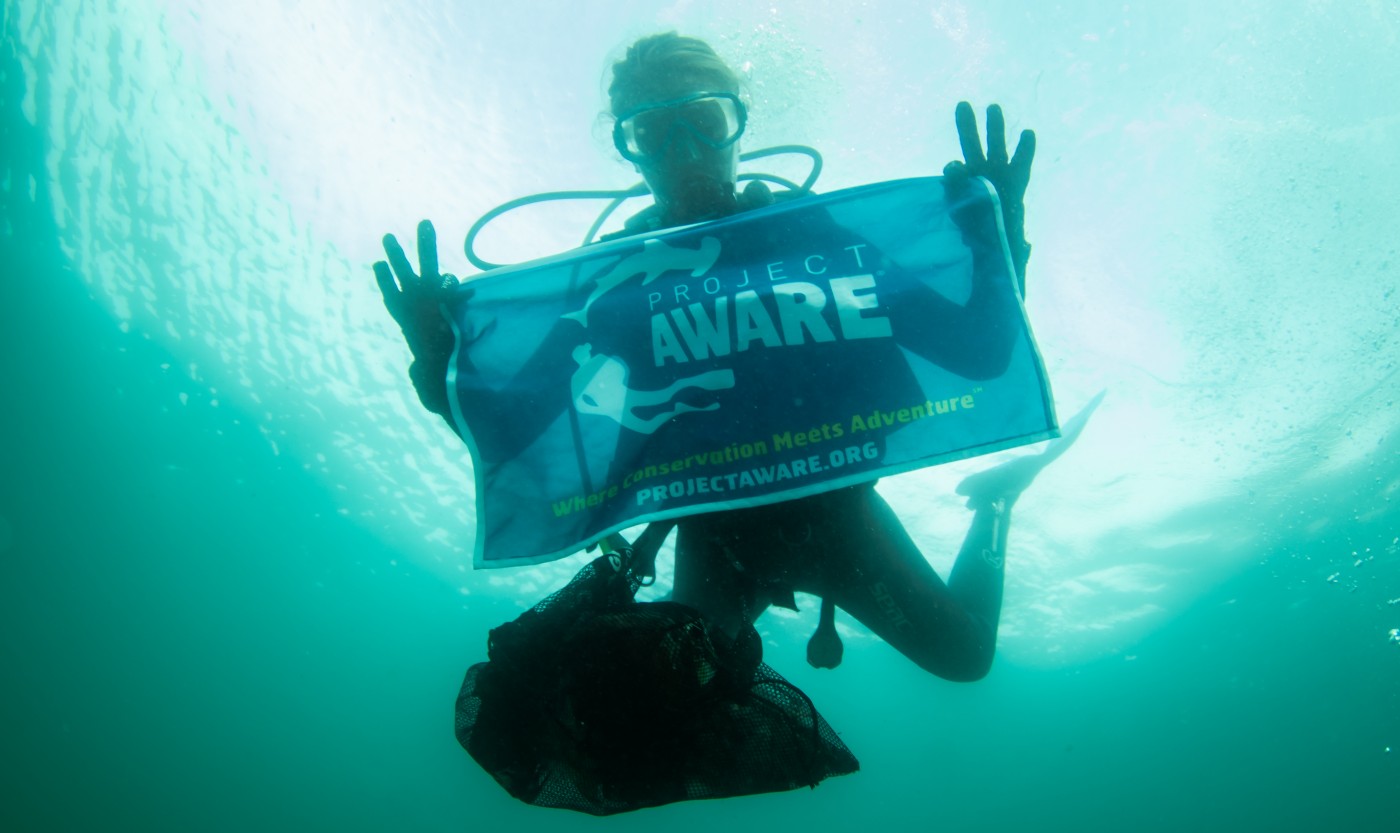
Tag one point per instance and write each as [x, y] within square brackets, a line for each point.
[1008, 480]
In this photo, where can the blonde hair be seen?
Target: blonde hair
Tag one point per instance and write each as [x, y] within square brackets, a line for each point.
[655, 60]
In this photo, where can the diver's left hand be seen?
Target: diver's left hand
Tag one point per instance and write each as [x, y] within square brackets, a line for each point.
[1009, 176]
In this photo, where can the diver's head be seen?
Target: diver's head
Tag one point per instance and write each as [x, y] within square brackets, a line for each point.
[679, 119]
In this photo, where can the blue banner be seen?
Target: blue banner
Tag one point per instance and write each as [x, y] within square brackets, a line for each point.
[782, 352]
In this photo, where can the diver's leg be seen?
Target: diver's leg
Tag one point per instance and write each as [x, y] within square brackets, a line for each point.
[873, 570]
[709, 576]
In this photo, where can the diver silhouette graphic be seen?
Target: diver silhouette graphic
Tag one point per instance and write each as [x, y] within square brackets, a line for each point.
[599, 387]
[653, 260]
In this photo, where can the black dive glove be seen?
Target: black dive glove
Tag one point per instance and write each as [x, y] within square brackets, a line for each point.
[1010, 177]
[414, 300]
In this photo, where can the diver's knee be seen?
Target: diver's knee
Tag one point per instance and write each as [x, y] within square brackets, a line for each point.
[972, 670]
[968, 665]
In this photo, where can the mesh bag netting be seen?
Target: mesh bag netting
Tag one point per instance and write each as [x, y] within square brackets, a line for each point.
[592, 701]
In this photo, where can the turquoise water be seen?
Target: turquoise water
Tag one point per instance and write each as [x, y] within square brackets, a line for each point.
[235, 556]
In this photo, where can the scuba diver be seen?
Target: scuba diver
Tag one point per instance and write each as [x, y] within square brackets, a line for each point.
[678, 120]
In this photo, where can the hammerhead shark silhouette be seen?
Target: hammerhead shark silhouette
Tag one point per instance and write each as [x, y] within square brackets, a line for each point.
[653, 260]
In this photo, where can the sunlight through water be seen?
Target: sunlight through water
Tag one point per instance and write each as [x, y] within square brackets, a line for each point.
[1212, 222]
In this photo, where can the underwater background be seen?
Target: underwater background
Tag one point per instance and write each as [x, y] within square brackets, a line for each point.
[235, 581]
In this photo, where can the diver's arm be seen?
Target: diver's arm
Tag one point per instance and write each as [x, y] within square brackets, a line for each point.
[973, 340]
[430, 383]
[524, 410]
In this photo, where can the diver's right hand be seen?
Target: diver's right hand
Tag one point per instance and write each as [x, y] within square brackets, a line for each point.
[414, 300]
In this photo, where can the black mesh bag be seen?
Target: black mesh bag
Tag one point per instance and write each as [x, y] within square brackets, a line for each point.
[592, 701]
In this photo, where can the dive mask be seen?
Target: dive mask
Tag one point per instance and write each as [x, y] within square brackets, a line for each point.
[717, 119]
